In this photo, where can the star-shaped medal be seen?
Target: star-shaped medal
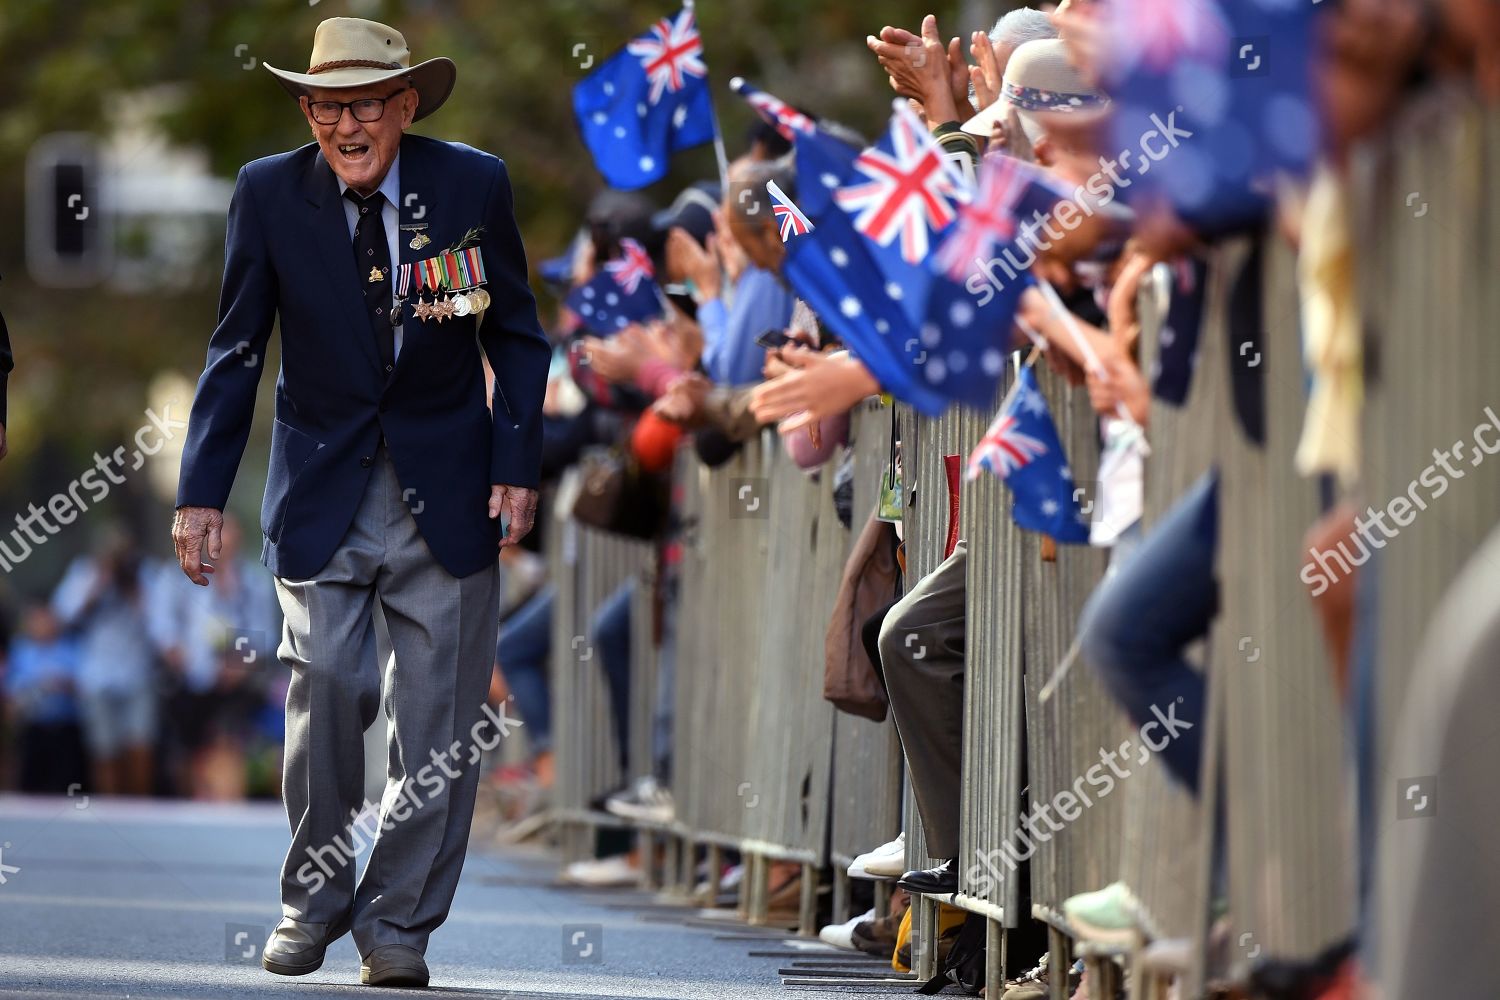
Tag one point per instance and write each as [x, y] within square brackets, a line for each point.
[422, 310]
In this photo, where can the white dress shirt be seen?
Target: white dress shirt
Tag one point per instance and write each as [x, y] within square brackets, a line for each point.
[389, 215]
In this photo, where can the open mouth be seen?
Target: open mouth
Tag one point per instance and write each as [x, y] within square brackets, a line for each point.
[352, 151]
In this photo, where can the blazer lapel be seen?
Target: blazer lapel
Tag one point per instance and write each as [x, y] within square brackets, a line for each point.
[331, 236]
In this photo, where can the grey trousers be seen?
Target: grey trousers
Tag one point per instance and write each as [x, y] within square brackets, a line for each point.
[922, 655]
[442, 632]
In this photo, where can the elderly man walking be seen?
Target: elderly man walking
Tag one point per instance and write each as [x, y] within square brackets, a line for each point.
[384, 256]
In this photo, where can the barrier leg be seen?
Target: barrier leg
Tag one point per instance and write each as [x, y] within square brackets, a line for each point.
[1135, 971]
[924, 938]
[759, 888]
[1104, 980]
[995, 958]
[1059, 961]
[687, 867]
[841, 904]
[807, 916]
[882, 898]
[715, 875]
[646, 841]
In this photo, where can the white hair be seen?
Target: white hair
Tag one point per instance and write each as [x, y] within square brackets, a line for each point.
[1021, 26]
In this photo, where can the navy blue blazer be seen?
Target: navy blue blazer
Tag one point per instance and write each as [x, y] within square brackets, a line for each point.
[288, 255]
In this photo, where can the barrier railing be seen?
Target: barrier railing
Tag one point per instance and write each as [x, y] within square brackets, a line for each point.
[765, 767]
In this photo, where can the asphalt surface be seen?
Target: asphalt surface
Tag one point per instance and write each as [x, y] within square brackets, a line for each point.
[147, 899]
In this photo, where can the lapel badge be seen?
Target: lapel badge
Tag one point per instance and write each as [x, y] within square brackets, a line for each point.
[419, 240]
[376, 275]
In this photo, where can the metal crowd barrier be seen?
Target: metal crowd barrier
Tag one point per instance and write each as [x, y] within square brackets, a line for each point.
[586, 566]
[1429, 296]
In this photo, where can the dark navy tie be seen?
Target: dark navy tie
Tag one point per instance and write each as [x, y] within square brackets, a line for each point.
[372, 260]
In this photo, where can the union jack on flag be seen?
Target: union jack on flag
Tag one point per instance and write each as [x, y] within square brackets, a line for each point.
[783, 117]
[1004, 449]
[672, 52]
[909, 192]
[788, 216]
[631, 269]
[990, 218]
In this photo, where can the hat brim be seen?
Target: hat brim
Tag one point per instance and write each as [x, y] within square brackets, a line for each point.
[433, 80]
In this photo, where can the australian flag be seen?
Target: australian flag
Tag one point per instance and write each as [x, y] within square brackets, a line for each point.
[646, 102]
[623, 292]
[1023, 449]
[1217, 97]
[787, 120]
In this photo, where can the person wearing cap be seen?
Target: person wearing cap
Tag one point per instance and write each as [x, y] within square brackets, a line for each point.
[386, 258]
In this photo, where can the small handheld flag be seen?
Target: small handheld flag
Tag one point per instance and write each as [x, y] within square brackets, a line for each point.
[1022, 448]
[623, 292]
[788, 216]
[646, 102]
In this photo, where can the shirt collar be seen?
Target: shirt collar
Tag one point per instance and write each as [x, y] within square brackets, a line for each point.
[390, 187]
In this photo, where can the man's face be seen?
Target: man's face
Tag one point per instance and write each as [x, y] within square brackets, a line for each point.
[361, 153]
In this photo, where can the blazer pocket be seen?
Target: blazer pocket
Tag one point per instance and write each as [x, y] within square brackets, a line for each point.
[290, 450]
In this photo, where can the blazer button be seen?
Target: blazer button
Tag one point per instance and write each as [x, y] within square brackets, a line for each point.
[367, 461]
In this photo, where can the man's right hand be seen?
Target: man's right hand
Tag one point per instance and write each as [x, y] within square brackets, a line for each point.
[194, 530]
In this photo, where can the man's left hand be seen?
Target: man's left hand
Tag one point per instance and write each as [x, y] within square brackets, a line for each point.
[519, 505]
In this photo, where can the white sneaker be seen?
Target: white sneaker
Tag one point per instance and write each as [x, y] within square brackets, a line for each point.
[603, 873]
[885, 861]
[842, 935]
[645, 802]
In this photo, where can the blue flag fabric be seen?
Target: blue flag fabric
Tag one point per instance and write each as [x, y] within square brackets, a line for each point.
[1177, 347]
[1023, 449]
[1217, 96]
[623, 292]
[646, 102]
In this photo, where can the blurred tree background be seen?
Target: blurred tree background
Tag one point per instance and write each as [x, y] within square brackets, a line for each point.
[184, 80]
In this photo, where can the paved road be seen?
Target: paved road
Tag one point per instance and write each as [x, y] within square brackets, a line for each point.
[147, 899]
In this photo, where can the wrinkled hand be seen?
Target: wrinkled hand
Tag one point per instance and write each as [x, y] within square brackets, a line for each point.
[823, 385]
[923, 68]
[988, 75]
[690, 261]
[1124, 323]
[731, 254]
[612, 360]
[683, 401]
[194, 530]
[519, 505]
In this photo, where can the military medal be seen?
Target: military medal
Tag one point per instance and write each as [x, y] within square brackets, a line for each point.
[453, 277]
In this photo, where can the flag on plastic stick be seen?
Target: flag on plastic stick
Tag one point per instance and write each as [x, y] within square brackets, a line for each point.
[789, 217]
[1210, 100]
[623, 292]
[1022, 447]
[786, 119]
[646, 102]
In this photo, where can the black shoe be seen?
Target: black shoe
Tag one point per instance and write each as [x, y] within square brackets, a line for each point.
[939, 881]
[296, 948]
[393, 965]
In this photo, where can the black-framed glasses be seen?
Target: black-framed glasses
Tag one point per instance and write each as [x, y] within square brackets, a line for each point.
[367, 109]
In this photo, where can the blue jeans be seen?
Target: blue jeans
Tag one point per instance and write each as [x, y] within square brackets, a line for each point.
[522, 651]
[610, 627]
[1139, 621]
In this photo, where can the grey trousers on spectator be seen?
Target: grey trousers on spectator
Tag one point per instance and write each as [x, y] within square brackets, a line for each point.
[442, 632]
[922, 654]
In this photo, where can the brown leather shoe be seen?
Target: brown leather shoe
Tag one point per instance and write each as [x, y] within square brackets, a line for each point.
[393, 965]
[296, 948]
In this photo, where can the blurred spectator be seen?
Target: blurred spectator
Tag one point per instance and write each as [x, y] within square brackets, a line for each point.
[42, 689]
[103, 597]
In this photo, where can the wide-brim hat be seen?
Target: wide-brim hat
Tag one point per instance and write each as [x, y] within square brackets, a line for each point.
[1040, 80]
[352, 52]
